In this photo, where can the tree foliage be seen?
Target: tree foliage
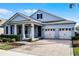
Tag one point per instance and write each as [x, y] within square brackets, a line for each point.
[72, 5]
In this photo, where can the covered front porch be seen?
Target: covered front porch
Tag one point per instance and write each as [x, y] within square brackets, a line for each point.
[26, 31]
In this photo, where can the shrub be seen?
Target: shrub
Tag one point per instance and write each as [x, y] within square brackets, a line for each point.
[76, 34]
[30, 40]
[10, 37]
[75, 38]
[4, 40]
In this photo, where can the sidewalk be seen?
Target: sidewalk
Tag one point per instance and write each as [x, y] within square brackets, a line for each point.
[11, 53]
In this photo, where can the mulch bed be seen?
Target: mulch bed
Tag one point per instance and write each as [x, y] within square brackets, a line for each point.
[16, 44]
[75, 43]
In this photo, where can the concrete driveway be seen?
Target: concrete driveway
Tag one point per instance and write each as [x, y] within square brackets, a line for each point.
[11, 53]
[47, 47]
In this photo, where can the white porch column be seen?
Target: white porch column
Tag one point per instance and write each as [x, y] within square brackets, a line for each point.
[23, 31]
[5, 29]
[32, 31]
[15, 29]
[8, 29]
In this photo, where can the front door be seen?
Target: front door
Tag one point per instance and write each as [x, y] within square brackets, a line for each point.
[19, 30]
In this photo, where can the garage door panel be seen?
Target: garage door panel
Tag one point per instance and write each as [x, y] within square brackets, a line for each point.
[65, 34]
[49, 34]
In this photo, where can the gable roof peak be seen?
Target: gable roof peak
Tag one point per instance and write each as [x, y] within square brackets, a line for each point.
[48, 14]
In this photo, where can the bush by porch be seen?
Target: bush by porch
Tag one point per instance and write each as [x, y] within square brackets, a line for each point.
[9, 38]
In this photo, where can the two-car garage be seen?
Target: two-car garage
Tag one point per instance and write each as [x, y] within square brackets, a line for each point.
[60, 33]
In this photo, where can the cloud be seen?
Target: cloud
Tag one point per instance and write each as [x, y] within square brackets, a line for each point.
[5, 13]
[28, 11]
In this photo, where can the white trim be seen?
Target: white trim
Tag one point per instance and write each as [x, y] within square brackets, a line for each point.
[15, 29]
[8, 29]
[32, 31]
[23, 31]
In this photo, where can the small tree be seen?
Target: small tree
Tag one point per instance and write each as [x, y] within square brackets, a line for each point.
[72, 5]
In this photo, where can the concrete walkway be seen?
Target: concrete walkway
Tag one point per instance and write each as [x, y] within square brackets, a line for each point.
[11, 53]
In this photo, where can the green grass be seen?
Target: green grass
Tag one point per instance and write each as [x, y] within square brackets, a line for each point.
[76, 51]
[6, 46]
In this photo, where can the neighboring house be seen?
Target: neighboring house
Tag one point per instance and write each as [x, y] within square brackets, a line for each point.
[39, 25]
[77, 28]
[1, 27]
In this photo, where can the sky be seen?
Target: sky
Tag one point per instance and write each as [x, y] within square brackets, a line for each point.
[58, 9]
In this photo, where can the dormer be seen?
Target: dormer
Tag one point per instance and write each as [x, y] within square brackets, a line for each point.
[44, 16]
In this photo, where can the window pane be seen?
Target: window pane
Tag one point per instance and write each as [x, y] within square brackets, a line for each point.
[6, 29]
[69, 29]
[60, 29]
[66, 29]
[73, 28]
[53, 29]
[37, 16]
[40, 16]
[45, 29]
[63, 29]
[48, 29]
[11, 30]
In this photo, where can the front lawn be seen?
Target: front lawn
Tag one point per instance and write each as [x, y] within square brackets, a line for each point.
[7, 46]
[76, 51]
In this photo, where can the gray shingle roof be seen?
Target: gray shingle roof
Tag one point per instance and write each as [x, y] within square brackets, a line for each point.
[60, 22]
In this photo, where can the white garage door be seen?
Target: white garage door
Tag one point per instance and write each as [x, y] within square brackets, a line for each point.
[65, 34]
[49, 33]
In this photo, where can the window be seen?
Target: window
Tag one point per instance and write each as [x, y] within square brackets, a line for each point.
[45, 29]
[6, 29]
[69, 29]
[48, 29]
[39, 16]
[11, 30]
[63, 29]
[60, 29]
[73, 28]
[53, 29]
[66, 29]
